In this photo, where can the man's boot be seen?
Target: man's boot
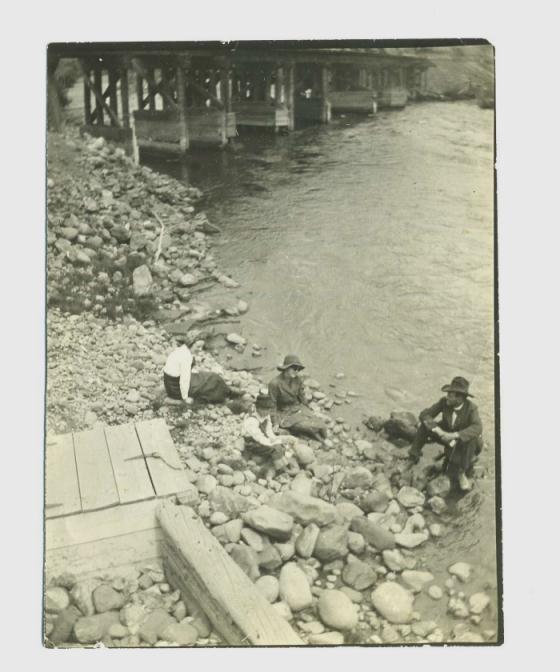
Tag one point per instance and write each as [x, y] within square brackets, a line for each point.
[464, 482]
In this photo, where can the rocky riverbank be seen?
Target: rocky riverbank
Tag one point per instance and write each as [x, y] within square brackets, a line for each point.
[337, 547]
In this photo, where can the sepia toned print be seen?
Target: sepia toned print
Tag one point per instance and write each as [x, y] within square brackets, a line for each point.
[272, 400]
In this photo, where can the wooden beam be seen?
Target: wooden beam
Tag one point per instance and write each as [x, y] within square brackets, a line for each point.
[98, 93]
[206, 94]
[153, 87]
[112, 92]
[62, 493]
[290, 97]
[140, 91]
[196, 564]
[87, 102]
[98, 489]
[125, 97]
[225, 89]
[182, 100]
[100, 102]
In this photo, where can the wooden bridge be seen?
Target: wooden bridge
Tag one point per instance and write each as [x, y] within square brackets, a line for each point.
[182, 94]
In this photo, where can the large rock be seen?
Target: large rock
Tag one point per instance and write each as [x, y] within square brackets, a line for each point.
[269, 558]
[183, 634]
[462, 570]
[358, 574]
[396, 561]
[269, 586]
[327, 639]
[275, 523]
[252, 539]
[302, 484]
[304, 453]
[439, 486]
[411, 539]
[410, 497]
[227, 501]
[356, 542]
[228, 533]
[294, 587]
[133, 615]
[374, 501]
[154, 625]
[106, 598]
[121, 233]
[64, 625]
[82, 595]
[382, 483]
[142, 281]
[332, 543]
[56, 599]
[415, 580]
[357, 477]
[401, 425]
[478, 603]
[304, 508]
[373, 533]
[247, 559]
[337, 611]
[437, 504]
[393, 602]
[348, 510]
[305, 543]
[92, 629]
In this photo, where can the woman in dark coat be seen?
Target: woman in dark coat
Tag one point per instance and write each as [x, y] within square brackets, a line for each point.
[288, 394]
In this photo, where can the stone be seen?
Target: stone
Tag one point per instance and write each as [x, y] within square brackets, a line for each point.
[206, 484]
[228, 533]
[393, 602]
[437, 504]
[92, 629]
[63, 626]
[439, 486]
[356, 543]
[66, 580]
[303, 453]
[106, 598]
[236, 339]
[304, 508]
[121, 233]
[188, 280]
[56, 599]
[252, 539]
[435, 592]
[183, 634]
[358, 574]
[415, 580]
[389, 634]
[142, 281]
[69, 232]
[283, 610]
[305, 543]
[81, 595]
[180, 610]
[469, 637]
[462, 570]
[401, 425]
[358, 477]
[247, 559]
[154, 625]
[373, 533]
[286, 550]
[118, 631]
[272, 522]
[353, 595]
[202, 623]
[294, 587]
[436, 530]
[374, 501]
[411, 539]
[269, 558]
[478, 603]
[133, 615]
[218, 518]
[410, 497]
[312, 627]
[302, 484]
[336, 610]
[327, 639]
[396, 561]
[269, 586]
[332, 543]
[348, 510]
[415, 523]
[227, 501]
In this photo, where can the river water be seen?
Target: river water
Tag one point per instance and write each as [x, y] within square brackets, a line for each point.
[366, 247]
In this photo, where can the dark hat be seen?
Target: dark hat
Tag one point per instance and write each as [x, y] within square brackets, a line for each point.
[264, 401]
[291, 361]
[459, 385]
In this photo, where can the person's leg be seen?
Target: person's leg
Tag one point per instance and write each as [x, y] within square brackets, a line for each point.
[421, 437]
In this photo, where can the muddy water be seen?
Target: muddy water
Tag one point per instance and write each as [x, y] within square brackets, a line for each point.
[366, 247]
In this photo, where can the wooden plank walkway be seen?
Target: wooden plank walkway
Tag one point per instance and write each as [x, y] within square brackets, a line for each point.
[62, 492]
[166, 470]
[129, 465]
[195, 562]
[98, 489]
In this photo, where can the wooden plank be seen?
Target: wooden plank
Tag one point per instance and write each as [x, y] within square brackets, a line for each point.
[196, 563]
[166, 471]
[100, 101]
[105, 555]
[98, 489]
[62, 493]
[97, 525]
[129, 467]
[182, 102]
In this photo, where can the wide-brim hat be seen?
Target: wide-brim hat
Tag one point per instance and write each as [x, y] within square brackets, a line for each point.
[291, 361]
[459, 385]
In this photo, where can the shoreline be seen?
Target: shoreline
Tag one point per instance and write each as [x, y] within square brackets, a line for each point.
[102, 229]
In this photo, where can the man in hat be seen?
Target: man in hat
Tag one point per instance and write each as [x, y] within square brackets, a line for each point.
[291, 410]
[459, 430]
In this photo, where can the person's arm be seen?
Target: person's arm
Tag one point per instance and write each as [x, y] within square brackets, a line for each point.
[473, 430]
[273, 394]
[185, 376]
[252, 430]
[270, 432]
[301, 393]
[432, 412]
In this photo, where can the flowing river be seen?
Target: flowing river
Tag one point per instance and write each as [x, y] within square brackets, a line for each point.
[366, 247]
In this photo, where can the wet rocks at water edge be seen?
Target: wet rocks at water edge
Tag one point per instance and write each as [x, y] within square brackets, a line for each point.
[393, 602]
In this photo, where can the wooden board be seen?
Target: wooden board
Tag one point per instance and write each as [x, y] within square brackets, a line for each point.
[196, 563]
[62, 493]
[98, 489]
[97, 525]
[167, 474]
[129, 466]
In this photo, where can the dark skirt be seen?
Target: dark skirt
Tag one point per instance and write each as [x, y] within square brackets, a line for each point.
[205, 386]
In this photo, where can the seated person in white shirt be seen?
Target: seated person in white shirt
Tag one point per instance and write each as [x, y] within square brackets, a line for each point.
[182, 383]
[261, 440]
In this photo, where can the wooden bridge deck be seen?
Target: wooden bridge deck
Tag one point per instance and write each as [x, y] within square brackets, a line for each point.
[101, 491]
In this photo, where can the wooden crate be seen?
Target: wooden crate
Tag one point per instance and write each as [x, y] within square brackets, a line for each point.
[101, 491]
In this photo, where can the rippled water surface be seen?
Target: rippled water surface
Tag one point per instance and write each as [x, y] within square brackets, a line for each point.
[366, 247]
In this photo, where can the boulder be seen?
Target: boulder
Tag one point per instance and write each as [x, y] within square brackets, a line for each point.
[227, 501]
[133, 615]
[462, 570]
[373, 533]
[183, 634]
[348, 510]
[303, 453]
[64, 625]
[188, 280]
[411, 539]
[81, 595]
[337, 611]
[252, 539]
[269, 586]
[286, 550]
[327, 639]
[332, 543]
[356, 542]
[294, 587]
[478, 603]
[415, 580]
[247, 559]
[393, 602]
[206, 483]
[302, 484]
[437, 504]
[142, 281]
[228, 533]
[235, 339]
[396, 561]
[357, 574]
[439, 486]
[275, 523]
[121, 233]
[56, 599]
[92, 629]
[410, 497]
[374, 501]
[435, 592]
[269, 558]
[401, 425]
[305, 543]
[106, 598]
[304, 508]
[358, 477]
[154, 625]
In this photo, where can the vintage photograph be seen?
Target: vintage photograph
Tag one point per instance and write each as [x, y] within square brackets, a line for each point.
[272, 385]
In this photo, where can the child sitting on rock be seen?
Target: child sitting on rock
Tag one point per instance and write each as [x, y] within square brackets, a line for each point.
[262, 442]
